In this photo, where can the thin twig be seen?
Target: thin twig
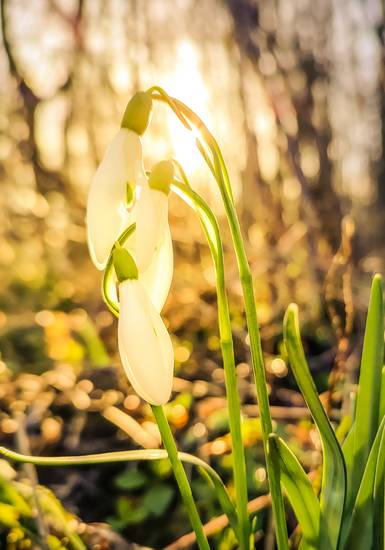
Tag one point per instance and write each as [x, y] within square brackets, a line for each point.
[338, 276]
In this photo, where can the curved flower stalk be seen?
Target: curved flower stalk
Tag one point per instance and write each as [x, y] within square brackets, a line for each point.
[144, 344]
[211, 229]
[113, 187]
[207, 472]
[212, 155]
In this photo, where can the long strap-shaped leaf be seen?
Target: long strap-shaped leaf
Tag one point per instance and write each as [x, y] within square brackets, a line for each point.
[334, 475]
[381, 408]
[359, 529]
[130, 456]
[348, 450]
[369, 390]
[299, 491]
[378, 498]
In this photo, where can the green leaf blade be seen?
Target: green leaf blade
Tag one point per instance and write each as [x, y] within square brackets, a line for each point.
[368, 397]
[299, 491]
[334, 475]
[378, 497]
[359, 530]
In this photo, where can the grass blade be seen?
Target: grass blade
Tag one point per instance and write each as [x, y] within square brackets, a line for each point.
[381, 408]
[368, 397]
[378, 497]
[359, 531]
[348, 449]
[299, 491]
[334, 475]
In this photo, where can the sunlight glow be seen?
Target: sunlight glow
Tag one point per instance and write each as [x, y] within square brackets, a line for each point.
[186, 83]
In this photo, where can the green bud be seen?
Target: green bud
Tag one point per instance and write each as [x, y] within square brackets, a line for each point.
[162, 176]
[124, 264]
[130, 194]
[138, 112]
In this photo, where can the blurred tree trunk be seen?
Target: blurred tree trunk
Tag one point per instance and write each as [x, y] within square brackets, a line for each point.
[254, 41]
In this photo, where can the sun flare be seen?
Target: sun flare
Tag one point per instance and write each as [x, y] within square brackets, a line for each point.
[186, 82]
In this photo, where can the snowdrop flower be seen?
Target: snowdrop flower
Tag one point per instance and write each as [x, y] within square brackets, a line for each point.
[145, 346]
[151, 243]
[114, 182]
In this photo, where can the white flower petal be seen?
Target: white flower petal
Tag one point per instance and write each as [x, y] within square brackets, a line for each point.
[144, 344]
[157, 277]
[165, 345]
[106, 214]
[151, 212]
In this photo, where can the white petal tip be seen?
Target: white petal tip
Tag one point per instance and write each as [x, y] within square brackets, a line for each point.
[100, 261]
[160, 400]
[99, 265]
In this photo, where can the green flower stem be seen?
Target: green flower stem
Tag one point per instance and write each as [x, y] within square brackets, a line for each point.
[130, 456]
[180, 476]
[182, 173]
[109, 271]
[186, 115]
[211, 229]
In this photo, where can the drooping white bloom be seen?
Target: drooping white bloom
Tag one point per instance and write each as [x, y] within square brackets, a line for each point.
[107, 215]
[151, 216]
[144, 344]
[121, 167]
[157, 278]
[150, 245]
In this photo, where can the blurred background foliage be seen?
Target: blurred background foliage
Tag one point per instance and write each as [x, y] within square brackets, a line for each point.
[294, 92]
